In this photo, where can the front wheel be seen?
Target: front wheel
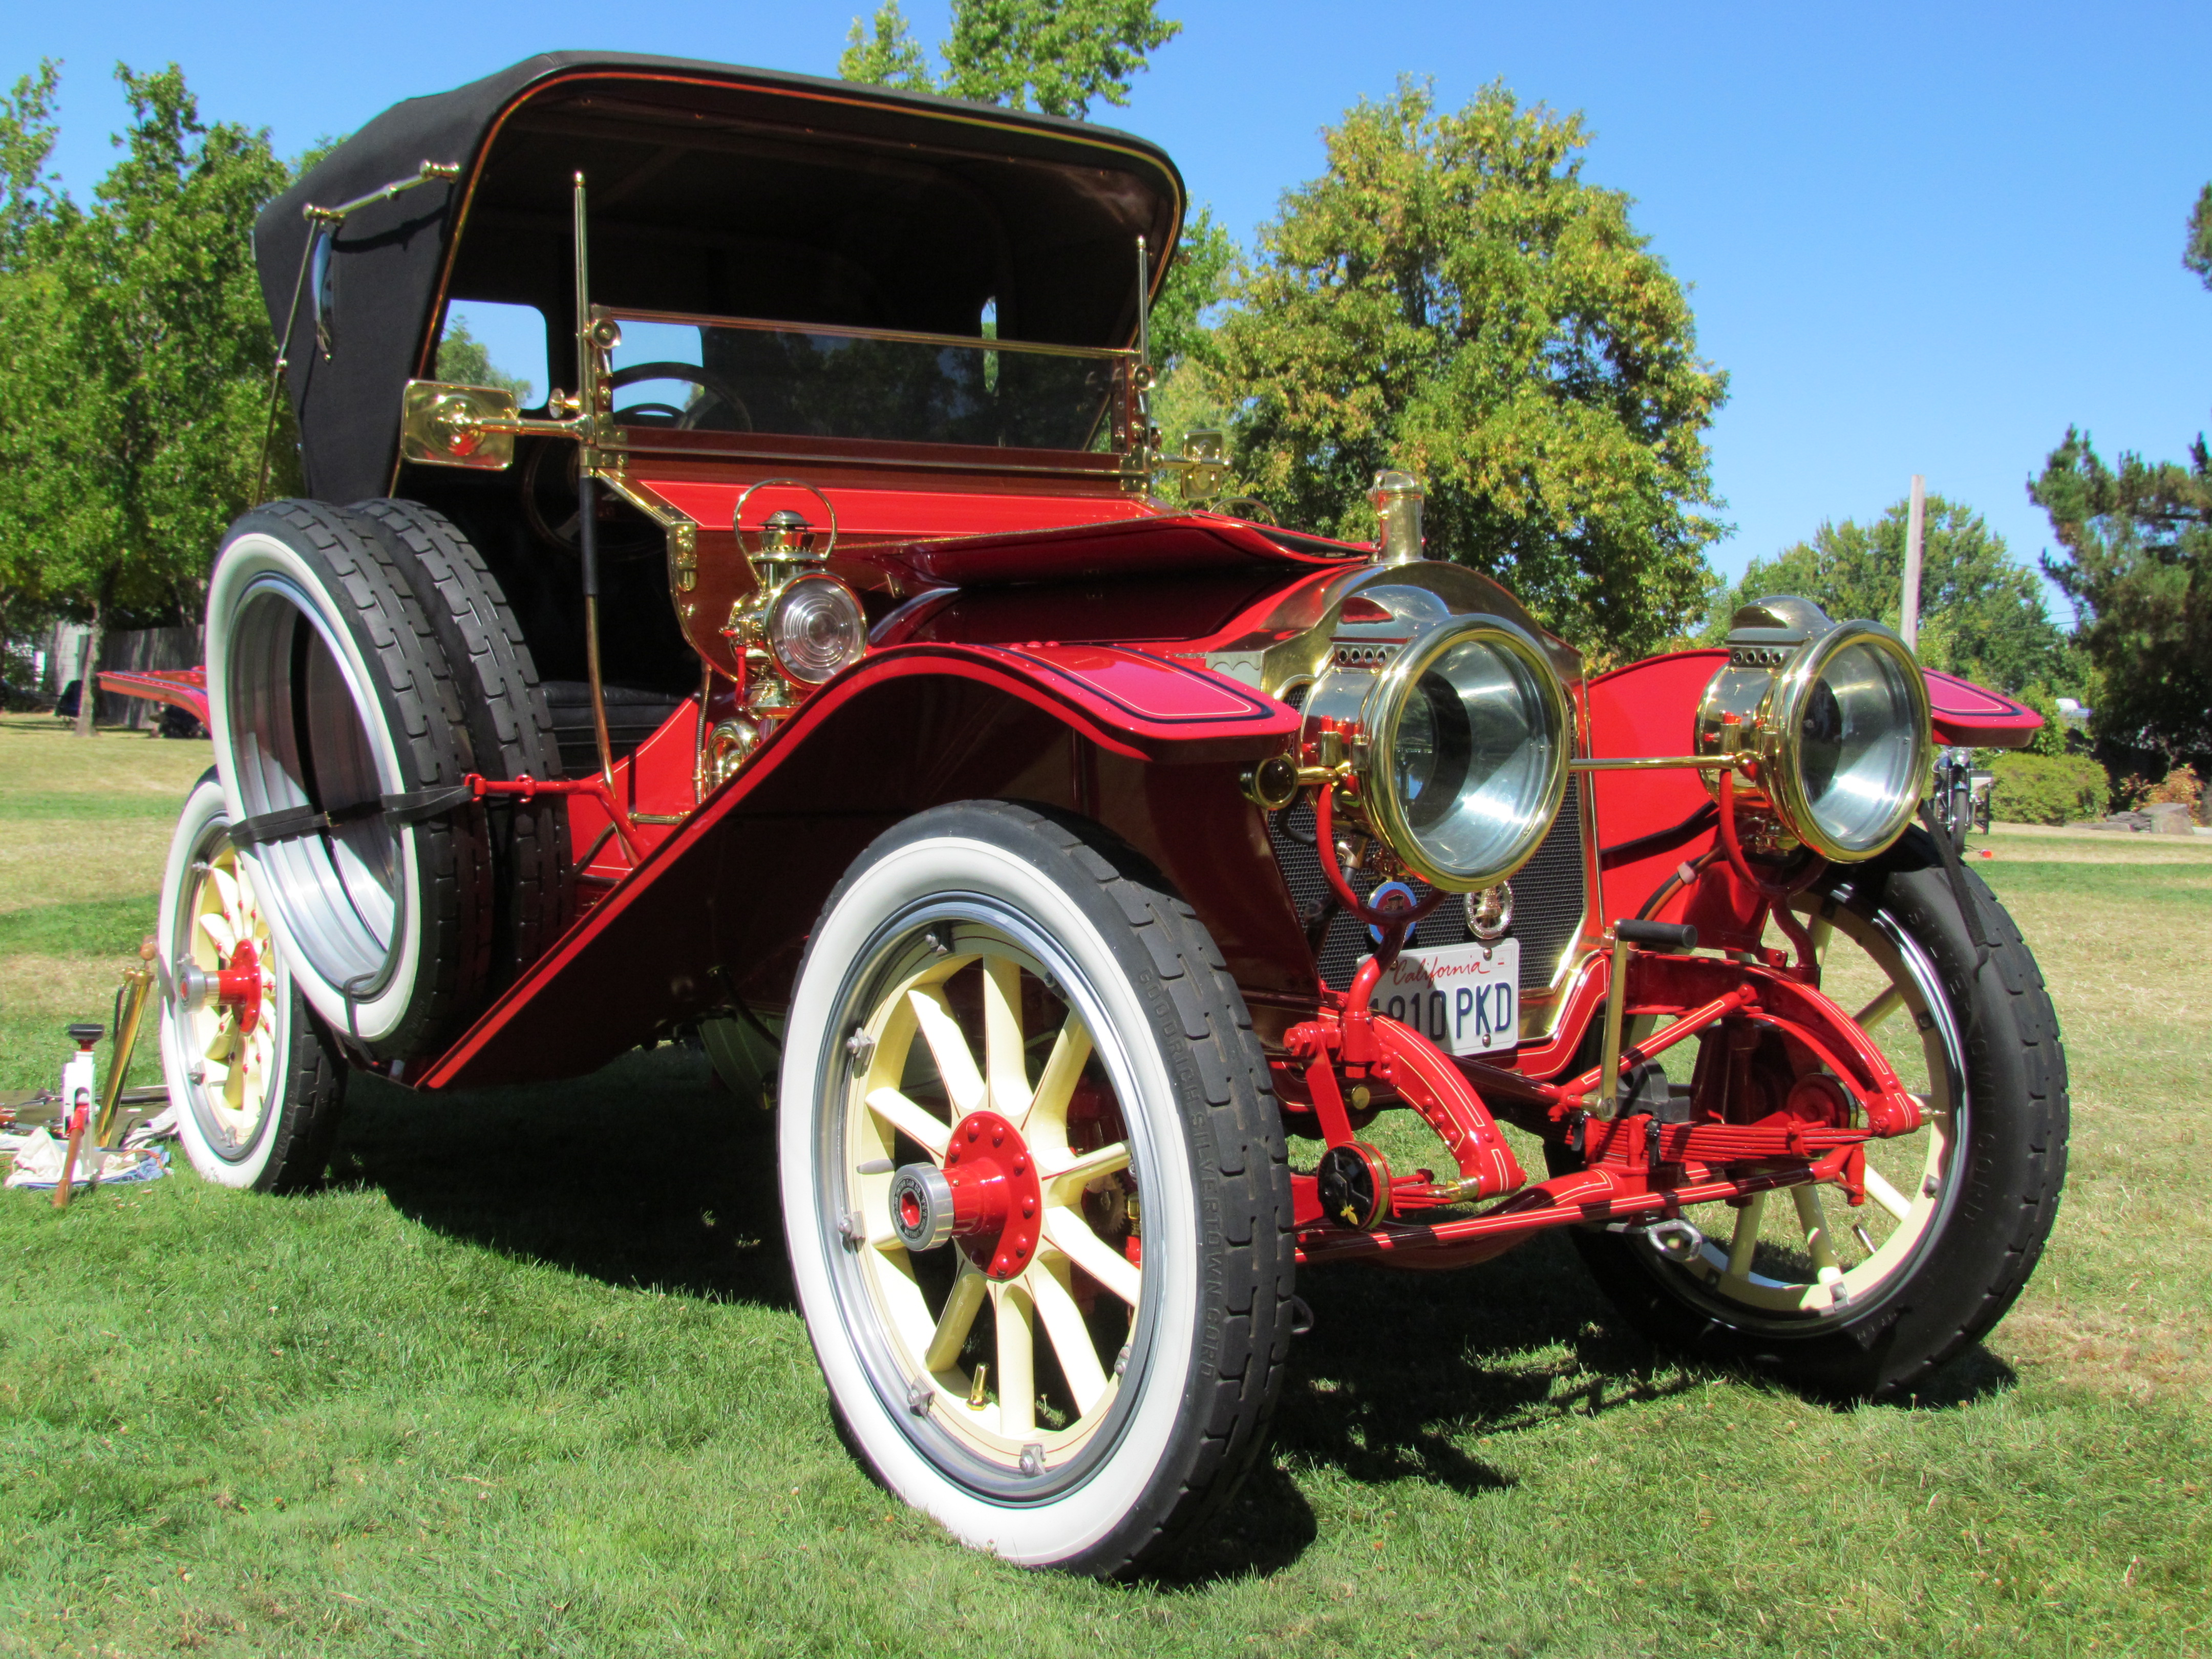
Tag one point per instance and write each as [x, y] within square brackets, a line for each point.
[1866, 1302]
[1036, 1190]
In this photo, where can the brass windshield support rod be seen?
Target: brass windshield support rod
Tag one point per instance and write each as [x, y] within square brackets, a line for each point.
[587, 497]
[1656, 762]
[321, 219]
[1144, 306]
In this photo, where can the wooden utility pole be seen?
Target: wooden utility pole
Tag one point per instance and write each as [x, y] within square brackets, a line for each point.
[1910, 612]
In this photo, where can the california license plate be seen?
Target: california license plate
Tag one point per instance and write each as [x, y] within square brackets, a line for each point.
[1465, 999]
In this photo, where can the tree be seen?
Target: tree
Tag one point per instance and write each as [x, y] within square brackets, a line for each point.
[464, 360]
[1453, 299]
[1059, 56]
[1054, 56]
[30, 208]
[1982, 614]
[2197, 252]
[2137, 564]
[2136, 561]
[131, 419]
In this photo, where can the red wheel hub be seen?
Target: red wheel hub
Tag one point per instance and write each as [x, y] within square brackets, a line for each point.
[998, 1202]
[239, 984]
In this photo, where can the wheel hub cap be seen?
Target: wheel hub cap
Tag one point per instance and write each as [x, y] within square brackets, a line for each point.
[987, 1196]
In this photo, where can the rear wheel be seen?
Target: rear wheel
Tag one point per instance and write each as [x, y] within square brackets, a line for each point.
[1036, 1190]
[257, 1086]
[1869, 1301]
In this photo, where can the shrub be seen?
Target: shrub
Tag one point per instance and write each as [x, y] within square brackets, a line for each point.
[2183, 785]
[2047, 788]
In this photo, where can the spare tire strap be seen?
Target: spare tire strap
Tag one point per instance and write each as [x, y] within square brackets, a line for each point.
[415, 807]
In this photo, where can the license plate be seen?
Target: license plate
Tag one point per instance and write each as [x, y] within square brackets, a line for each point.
[1465, 999]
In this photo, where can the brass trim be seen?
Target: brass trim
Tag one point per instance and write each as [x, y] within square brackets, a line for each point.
[1654, 762]
[535, 89]
[1393, 688]
[137, 983]
[896, 336]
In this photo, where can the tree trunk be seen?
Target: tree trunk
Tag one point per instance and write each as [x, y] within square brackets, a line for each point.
[88, 696]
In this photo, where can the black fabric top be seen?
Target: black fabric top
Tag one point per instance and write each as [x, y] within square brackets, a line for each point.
[711, 189]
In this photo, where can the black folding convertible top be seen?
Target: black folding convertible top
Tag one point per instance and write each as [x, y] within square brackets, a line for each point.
[713, 189]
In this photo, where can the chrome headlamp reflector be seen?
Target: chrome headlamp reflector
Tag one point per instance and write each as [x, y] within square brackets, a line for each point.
[1459, 740]
[816, 627]
[1837, 715]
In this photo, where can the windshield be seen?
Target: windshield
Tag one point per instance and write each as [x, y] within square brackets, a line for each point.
[724, 375]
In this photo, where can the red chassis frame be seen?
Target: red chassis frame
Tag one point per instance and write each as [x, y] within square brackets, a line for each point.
[958, 699]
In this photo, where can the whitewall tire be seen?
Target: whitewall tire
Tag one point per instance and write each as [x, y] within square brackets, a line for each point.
[257, 1090]
[1077, 1376]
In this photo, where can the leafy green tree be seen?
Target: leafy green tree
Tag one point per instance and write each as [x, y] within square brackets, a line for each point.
[1057, 56]
[1453, 298]
[2136, 560]
[130, 424]
[2197, 252]
[1053, 55]
[2137, 563]
[1982, 614]
[464, 360]
[30, 209]
[884, 52]
[28, 199]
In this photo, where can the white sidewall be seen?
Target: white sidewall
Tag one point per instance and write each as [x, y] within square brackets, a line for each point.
[245, 560]
[203, 808]
[1062, 1528]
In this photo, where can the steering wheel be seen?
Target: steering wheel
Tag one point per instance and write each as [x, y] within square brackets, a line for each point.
[719, 397]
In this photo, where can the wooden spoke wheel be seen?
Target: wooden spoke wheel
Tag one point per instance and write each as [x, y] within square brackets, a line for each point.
[1050, 1310]
[256, 1085]
[1857, 1301]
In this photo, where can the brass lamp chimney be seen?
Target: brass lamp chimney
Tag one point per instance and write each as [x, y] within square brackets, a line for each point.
[1396, 497]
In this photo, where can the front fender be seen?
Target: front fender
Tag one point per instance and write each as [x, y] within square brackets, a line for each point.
[719, 910]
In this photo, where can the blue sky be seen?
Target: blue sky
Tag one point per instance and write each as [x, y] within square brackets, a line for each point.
[1920, 238]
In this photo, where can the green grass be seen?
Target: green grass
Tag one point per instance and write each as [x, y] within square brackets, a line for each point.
[528, 1379]
[88, 927]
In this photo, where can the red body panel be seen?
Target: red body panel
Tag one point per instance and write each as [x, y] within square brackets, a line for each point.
[1973, 716]
[1648, 822]
[720, 906]
[899, 514]
[1654, 821]
[185, 688]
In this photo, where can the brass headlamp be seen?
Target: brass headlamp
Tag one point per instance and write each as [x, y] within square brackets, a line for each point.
[1834, 718]
[1455, 730]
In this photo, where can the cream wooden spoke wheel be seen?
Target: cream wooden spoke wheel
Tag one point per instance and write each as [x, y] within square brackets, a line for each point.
[1805, 1253]
[254, 1083]
[1049, 1309]
[1867, 1300]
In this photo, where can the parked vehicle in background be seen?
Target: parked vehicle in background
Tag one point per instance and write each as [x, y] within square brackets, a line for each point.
[836, 666]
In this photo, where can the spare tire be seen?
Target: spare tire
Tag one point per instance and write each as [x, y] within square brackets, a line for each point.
[341, 740]
[503, 704]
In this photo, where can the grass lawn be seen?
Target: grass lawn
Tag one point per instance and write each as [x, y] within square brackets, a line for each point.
[528, 1380]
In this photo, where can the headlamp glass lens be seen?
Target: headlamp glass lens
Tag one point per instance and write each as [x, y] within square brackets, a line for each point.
[816, 628]
[1857, 744]
[1472, 760]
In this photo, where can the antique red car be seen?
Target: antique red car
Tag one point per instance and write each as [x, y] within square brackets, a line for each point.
[1111, 894]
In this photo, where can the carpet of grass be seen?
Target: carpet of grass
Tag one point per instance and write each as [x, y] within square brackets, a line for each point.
[527, 1378]
[84, 831]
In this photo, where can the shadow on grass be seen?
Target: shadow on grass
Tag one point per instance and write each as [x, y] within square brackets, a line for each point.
[647, 1174]
[644, 1174]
